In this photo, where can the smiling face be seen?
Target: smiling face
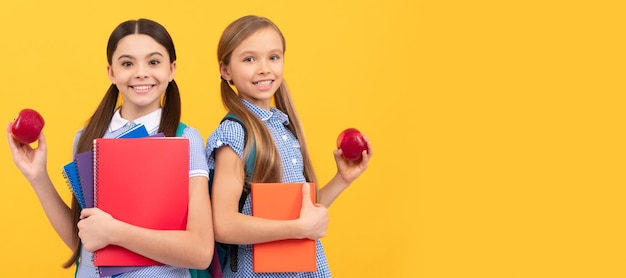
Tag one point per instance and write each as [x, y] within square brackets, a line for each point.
[141, 70]
[256, 67]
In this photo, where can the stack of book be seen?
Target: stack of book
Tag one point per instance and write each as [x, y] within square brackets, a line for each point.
[139, 179]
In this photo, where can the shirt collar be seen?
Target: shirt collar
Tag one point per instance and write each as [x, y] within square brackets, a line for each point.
[151, 121]
[265, 115]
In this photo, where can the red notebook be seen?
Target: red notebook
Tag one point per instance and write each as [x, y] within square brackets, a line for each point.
[144, 182]
[281, 201]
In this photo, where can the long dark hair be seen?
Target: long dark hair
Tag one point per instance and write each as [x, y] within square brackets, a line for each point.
[101, 118]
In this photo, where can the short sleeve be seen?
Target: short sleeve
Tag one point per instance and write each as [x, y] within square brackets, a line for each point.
[76, 139]
[228, 133]
[197, 156]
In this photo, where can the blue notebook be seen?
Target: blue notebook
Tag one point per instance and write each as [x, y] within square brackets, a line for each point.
[70, 173]
[137, 131]
[80, 176]
[79, 173]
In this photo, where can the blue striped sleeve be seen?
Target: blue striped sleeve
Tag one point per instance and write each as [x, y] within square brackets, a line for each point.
[197, 157]
[228, 133]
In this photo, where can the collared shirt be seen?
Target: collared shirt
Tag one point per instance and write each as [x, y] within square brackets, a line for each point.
[231, 133]
[197, 167]
[151, 121]
[197, 160]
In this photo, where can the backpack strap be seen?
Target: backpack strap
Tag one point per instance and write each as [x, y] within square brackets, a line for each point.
[249, 172]
[179, 130]
[249, 167]
[232, 249]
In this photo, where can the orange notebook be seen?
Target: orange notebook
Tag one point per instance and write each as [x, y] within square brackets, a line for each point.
[281, 201]
[144, 182]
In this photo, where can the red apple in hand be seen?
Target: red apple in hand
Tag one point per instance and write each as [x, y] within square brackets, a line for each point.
[352, 143]
[27, 126]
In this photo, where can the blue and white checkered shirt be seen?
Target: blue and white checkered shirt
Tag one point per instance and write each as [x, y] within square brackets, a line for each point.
[197, 167]
[230, 133]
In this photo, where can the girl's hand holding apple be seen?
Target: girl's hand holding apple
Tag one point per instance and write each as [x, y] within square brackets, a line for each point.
[27, 126]
[352, 144]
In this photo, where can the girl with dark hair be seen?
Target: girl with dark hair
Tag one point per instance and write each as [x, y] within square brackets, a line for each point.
[141, 66]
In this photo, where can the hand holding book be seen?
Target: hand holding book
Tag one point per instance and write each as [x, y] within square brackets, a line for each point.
[283, 201]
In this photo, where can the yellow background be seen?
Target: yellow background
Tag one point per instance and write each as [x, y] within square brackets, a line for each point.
[498, 126]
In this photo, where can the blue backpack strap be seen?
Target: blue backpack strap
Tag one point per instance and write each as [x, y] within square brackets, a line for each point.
[77, 264]
[249, 168]
[179, 130]
[249, 171]
[200, 273]
[219, 253]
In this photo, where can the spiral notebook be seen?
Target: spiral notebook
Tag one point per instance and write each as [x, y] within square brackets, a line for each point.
[144, 182]
[84, 164]
[71, 175]
[281, 201]
[79, 172]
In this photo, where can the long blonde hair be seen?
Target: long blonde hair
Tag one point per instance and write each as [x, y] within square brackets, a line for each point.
[268, 165]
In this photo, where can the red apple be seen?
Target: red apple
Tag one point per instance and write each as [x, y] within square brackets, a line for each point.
[352, 143]
[27, 126]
